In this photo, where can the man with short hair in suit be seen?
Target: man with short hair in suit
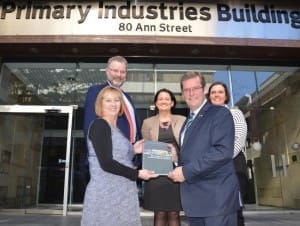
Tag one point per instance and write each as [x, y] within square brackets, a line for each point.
[209, 187]
[116, 72]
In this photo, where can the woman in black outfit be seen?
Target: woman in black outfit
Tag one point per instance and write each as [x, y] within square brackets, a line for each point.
[161, 194]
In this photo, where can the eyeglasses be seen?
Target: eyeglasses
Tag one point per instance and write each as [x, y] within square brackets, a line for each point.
[193, 89]
[117, 71]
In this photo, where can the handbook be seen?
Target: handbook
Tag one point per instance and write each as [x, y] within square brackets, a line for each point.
[157, 157]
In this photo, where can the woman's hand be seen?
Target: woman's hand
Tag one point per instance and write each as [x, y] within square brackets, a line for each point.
[146, 174]
[138, 146]
[174, 153]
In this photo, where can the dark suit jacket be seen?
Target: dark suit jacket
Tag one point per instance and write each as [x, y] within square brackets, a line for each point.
[90, 115]
[211, 187]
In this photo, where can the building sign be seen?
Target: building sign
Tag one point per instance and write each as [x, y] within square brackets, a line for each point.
[176, 18]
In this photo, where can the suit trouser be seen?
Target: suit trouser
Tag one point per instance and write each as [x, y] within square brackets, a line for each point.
[243, 180]
[225, 220]
[242, 175]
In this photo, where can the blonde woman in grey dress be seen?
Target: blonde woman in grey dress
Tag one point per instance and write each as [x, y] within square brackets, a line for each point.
[111, 196]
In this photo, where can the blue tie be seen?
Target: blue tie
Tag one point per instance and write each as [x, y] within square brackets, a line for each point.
[190, 120]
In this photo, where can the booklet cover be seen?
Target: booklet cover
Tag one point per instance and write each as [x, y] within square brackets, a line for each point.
[157, 157]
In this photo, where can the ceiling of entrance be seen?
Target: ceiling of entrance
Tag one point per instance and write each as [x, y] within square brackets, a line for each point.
[67, 83]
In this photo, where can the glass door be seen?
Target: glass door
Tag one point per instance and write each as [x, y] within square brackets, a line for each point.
[272, 111]
[278, 164]
[34, 157]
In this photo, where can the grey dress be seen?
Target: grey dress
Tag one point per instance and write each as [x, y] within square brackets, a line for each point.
[111, 200]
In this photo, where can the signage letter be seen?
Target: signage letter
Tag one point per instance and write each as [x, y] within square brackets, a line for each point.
[7, 8]
[223, 12]
[83, 14]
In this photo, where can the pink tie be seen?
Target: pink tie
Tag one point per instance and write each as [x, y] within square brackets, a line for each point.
[130, 122]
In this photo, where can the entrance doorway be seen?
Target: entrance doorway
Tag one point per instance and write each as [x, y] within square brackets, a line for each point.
[35, 159]
[263, 93]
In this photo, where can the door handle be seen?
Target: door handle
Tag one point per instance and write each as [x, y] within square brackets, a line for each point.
[273, 166]
[284, 165]
[61, 161]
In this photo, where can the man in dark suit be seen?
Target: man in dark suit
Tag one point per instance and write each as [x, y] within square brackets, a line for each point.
[209, 186]
[116, 72]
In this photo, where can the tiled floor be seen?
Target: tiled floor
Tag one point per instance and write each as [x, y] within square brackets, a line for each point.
[263, 216]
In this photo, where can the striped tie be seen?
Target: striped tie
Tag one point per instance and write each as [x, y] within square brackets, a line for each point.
[190, 120]
[128, 117]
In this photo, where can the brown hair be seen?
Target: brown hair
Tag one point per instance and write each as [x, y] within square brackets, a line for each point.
[192, 74]
[98, 102]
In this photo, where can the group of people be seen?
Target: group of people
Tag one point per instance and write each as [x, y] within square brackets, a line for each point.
[208, 178]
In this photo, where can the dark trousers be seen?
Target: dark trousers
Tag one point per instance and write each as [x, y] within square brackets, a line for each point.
[243, 180]
[240, 165]
[226, 220]
[240, 217]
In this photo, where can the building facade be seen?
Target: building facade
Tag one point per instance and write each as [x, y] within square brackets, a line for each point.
[52, 51]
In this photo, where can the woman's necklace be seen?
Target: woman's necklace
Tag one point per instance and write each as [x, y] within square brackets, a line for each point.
[164, 121]
[164, 125]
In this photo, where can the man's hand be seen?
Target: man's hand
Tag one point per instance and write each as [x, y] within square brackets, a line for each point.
[176, 175]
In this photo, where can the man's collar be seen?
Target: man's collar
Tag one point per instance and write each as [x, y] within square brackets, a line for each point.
[198, 109]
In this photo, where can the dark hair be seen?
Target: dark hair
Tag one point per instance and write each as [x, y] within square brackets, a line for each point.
[171, 95]
[225, 89]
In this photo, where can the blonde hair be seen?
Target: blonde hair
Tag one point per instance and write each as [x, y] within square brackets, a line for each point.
[98, 102]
